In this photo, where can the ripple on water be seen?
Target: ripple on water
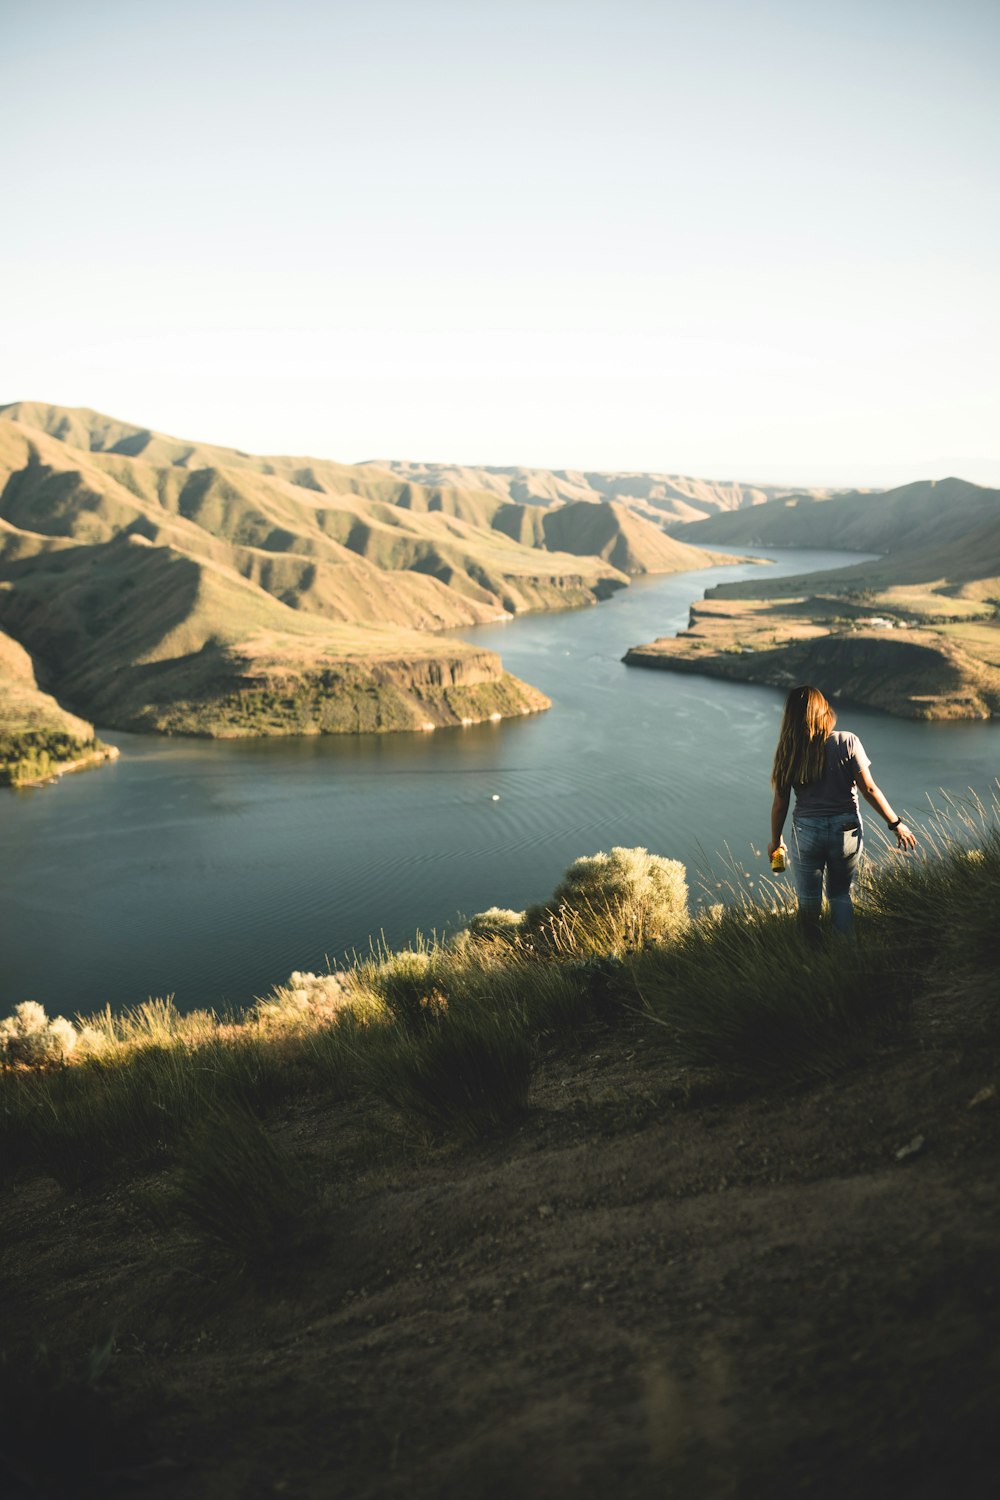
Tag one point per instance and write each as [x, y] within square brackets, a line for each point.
[213, 870]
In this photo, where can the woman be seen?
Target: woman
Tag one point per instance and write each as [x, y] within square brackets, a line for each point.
[826, 766]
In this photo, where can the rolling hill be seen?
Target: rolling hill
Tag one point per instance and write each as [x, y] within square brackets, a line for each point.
[669, 499]
[939, 540]
[160, 584]
[915, 631]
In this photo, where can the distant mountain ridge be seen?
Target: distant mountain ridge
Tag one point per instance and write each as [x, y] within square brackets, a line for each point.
[944, 533]
[166, 584]
[670, 499]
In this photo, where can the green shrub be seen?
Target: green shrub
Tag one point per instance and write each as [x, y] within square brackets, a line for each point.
[482, 976]
[605, 983]
[613, 904]
[31, 754]
[498, 923]
[30, 1039]
[331, 1052]
[941, 906]
[544, 997]
[407, 984]
[307, 999]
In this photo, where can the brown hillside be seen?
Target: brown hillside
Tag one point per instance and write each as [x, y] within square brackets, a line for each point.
[615, 532]
[669, 499]
[151, 595]
[940, 542]
[162, 583]
[927, 514]
[24, 705]
[467, 495]
[937, 580]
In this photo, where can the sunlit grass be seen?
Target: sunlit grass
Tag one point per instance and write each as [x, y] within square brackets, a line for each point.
[444, 1037]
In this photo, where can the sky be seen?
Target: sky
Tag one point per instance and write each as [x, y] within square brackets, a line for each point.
[734, 239]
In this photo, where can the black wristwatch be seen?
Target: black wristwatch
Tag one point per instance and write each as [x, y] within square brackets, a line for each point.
[895, 825]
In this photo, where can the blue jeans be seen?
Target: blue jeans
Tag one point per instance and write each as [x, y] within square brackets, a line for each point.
[832, 845]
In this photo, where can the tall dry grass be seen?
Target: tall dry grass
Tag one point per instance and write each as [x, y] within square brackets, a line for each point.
[744, 995]
[444, 1037]
[244, 1193]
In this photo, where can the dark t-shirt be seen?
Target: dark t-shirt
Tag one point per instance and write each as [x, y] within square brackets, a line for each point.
[836, 792]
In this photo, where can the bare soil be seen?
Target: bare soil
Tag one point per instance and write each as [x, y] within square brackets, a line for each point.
[647, 1290]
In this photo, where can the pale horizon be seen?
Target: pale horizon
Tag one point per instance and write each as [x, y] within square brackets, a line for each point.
[748, 242]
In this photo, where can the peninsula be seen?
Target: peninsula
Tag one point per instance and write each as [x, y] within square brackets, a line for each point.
[915, 631]
[161, 585]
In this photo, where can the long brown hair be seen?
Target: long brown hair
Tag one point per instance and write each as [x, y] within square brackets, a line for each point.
[805, 729]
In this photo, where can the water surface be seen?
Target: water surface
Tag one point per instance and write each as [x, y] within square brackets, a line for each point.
[211, 869]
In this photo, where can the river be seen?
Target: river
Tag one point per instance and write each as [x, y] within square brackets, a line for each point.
[209, 870]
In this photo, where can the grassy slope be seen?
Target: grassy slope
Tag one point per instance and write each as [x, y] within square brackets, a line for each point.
[613, 531]
[938, 579]
[37, 736]
[739, 1238]
[23, 705]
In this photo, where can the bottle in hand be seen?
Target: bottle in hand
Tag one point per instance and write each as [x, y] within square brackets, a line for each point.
[779, 859]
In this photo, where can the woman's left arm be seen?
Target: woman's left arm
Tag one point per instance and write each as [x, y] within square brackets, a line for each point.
[779, 812]
[905, 839]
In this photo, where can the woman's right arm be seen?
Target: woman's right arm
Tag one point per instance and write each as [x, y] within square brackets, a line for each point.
[779, 812]
[873, 796]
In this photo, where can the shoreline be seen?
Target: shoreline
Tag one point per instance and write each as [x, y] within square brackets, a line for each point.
[401, 696]
[98, 757]
[909, 669]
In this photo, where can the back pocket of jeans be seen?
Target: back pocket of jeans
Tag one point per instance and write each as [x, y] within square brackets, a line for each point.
[852, 840]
